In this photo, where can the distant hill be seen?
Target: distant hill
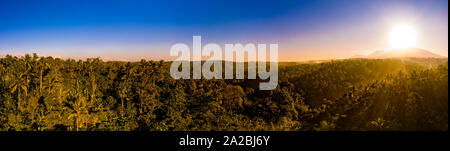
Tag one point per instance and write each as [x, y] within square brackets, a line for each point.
[401, 53]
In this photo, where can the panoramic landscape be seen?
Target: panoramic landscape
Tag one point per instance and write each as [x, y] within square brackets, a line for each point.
[352, 66]
[353, 94]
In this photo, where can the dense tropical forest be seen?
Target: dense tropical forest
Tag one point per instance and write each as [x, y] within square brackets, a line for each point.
[47, 94]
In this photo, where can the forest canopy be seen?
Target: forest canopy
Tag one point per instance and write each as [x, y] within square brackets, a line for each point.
[47, 94]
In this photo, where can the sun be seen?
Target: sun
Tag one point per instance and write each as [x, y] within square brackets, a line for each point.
[402, 36]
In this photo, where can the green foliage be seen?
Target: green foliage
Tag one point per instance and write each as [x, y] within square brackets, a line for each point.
[44, 94]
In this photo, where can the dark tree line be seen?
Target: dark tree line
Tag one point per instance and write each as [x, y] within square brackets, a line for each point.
[38, 93]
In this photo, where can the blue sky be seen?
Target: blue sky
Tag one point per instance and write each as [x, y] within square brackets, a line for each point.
[305, 30]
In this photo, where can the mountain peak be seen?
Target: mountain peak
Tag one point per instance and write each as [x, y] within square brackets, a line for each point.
[401, 53]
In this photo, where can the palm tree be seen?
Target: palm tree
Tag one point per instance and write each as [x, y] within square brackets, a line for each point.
[42, 66]
[93, 63]
[2, 73]
[79, 112]
[125, 86]
[19, 85]
[24, 78]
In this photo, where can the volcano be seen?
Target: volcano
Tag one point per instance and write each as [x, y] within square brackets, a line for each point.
[401, 53]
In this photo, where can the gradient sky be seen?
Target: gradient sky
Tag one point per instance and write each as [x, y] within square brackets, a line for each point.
[131, 30]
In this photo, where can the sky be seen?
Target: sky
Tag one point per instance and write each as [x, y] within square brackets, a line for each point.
[133, 30]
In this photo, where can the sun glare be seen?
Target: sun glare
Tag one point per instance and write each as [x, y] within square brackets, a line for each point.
[402, 36]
